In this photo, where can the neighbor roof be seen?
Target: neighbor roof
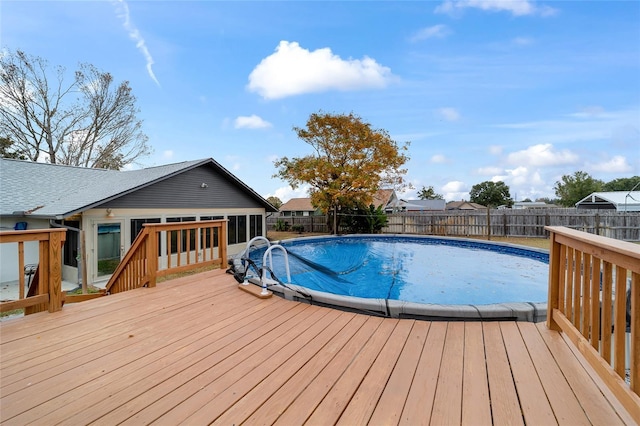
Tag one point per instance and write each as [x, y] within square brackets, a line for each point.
[619, 199]
[58, 191]
[464, 205]
[298, 205]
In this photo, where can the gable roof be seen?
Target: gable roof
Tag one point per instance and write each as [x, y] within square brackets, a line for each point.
[381, 198]
[464, 205]
[58, 191]
[298, 205]
[621, 200]
[421, 205]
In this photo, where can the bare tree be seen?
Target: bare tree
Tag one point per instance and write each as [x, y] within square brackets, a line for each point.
[89, 122]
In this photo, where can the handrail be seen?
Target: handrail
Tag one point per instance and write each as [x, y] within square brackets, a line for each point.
[267, 254]
[148, 259]
[588, 279]
[49, 292]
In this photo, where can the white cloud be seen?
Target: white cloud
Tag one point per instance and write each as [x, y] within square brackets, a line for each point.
[523, 176]
[448, 114]
[251, 122]
[285, 193]
[167, 154]
[515, 7]
[292, 70]
[617, 164]
[123, 13]
[455, 191]
[542, 155]
[439, 159]
[436, 31]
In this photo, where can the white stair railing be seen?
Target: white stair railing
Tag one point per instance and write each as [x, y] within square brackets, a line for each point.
[266, 281]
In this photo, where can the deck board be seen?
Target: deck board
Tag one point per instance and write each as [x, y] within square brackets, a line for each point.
[197, 350]
[476, 406]
[505, 405]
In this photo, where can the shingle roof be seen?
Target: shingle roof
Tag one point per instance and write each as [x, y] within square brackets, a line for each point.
[381, 198]
[52, 190]
[464, 205]
[297, 205]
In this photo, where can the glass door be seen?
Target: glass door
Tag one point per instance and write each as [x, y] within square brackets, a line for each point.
[110, 247]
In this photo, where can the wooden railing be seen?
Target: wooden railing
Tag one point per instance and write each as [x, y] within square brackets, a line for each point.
[588, 285]
[46, 287]
[187, 246]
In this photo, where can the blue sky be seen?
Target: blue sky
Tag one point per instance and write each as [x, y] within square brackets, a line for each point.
[518, 91]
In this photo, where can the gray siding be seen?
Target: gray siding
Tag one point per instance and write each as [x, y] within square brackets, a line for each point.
[184, 191]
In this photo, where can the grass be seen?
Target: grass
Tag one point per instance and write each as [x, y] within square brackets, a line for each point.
[12, 313]
[187, 273]
[90, 290]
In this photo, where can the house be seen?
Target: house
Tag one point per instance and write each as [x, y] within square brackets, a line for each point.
[385, 198]
[521, 205]
[417, 206]
[105, 209]
[464, 205]
[298, 207]
[622, 201]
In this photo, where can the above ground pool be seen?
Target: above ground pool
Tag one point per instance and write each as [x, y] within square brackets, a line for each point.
[414, 276]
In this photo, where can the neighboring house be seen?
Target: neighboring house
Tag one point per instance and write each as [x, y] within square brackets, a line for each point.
[520, 205]
[298, 207]
[417, 206]
[464, 205]
[622, 201]
[385, 198]
[107, 208]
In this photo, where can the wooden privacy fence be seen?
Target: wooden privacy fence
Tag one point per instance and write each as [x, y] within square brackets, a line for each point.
[590, 280]
[45, 292]
[493, 222]
[166, 248]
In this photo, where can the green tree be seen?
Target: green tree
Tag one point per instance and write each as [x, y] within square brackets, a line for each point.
[275, 201]
[622, 184]
[350, 161]
[7, 150]
[491, 194]
[573, 188]
[547, 200]
[361, 220]
[429, 194]
[88, 121]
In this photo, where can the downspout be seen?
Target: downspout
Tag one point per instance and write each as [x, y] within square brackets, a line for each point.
[81, 249]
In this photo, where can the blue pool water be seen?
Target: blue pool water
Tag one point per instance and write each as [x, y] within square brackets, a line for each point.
[415, 269]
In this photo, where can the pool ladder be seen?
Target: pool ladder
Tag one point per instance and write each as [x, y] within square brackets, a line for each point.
[265, 281]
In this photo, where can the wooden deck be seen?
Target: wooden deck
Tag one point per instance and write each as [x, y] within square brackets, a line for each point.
[197, 350]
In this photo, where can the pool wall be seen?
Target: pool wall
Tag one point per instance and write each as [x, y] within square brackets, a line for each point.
[517, 311]
[514, 311]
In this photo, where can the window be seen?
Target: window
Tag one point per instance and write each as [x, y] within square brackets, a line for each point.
[237, 229]
[136, 226]
[206, 239]
[70, 250]
[255, 225]
[183, 242]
